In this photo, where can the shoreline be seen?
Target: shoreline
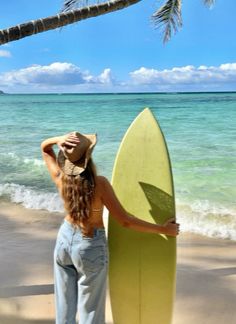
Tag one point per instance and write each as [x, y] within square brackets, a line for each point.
[206, 272]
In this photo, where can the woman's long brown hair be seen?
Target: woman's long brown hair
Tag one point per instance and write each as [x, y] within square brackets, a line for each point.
[78, 192]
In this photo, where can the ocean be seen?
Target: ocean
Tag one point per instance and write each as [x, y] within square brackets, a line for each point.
[200, 130]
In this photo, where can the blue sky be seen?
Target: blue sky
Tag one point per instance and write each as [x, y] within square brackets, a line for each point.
[121, 51]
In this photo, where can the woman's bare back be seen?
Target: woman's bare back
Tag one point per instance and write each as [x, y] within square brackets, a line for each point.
[96, 211]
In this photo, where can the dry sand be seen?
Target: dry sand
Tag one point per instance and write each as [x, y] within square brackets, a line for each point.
[206, 272]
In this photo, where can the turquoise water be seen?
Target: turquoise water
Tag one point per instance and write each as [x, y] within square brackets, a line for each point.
[199, 129]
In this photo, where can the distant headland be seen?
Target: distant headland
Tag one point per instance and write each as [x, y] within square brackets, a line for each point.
[1, 92]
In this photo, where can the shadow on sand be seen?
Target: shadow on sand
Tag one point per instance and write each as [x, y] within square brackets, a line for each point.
[8, 292]
[14, 319]
[26, 259]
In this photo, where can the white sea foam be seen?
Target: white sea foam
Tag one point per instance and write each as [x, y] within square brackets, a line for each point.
[35, 162]
[200, 217]
[31, 198]
[208, 219]
[17, 158]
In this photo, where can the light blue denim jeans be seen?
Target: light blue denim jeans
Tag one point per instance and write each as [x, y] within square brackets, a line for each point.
[80, 272]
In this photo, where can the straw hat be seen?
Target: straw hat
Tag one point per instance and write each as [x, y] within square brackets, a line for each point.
[74, 160]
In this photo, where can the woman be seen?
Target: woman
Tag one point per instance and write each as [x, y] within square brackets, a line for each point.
[81, 256]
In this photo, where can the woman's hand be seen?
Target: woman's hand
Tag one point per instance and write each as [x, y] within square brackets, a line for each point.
[171, 228]
[68, 140]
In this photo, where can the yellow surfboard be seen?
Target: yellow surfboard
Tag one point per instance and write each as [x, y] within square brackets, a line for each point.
[142, 270]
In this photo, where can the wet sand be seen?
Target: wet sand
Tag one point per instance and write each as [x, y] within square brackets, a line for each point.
[206, 272]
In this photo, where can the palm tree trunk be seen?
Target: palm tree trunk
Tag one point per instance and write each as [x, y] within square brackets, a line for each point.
[60, 20]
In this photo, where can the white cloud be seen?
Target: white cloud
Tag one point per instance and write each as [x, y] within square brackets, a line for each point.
[5, 53]
[57, 74]
[186, 75]
[68, 77]
[104, 78]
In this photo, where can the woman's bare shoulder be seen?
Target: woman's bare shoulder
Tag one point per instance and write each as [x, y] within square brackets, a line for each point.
[101, 180]
[102, 185]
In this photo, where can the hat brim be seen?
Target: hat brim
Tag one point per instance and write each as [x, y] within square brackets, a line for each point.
[76, 168]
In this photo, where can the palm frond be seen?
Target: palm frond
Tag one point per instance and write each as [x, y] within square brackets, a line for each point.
[168, 17]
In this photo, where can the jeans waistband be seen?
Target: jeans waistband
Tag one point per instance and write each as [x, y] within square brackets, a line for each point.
[76, 229]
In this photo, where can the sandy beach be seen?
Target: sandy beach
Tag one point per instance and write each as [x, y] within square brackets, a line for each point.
[206, 272]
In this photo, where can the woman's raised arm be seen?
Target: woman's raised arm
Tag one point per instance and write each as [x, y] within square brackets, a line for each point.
[49, 157]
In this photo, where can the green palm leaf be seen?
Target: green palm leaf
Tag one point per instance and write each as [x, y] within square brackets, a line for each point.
[168, 17]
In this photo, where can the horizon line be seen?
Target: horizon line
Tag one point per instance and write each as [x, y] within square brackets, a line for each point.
[114, 93]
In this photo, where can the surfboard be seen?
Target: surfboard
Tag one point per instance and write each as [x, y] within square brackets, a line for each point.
[142, 270]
